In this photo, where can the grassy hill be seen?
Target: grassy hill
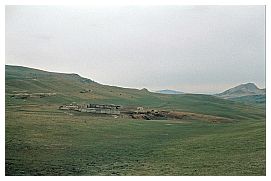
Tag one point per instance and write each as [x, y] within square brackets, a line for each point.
[253, 99]
[42, 140]
[68, 89]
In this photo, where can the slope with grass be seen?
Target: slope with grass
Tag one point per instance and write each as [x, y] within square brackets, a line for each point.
[42, 140]
[68, 89]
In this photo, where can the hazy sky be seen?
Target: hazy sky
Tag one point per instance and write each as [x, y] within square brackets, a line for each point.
[199, 49]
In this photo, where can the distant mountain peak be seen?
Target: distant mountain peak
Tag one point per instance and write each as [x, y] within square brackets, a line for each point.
[246, 89]
[249, 86]
[168, 91]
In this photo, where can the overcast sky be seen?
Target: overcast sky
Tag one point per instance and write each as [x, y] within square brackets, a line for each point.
[198, 49]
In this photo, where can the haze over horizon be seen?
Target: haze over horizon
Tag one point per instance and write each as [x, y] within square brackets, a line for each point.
[196, 49]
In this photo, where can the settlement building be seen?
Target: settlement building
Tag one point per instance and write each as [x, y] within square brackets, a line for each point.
[94, 108]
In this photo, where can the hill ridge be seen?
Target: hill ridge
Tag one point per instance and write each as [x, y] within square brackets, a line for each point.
[243, 90]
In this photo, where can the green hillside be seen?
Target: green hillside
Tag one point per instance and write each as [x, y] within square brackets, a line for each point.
[68, 86]
[254, 99]
[42, 140]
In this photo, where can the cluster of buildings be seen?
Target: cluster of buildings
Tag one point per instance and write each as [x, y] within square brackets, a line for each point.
[94, 108]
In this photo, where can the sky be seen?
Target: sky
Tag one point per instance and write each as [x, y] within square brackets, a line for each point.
[196, 49]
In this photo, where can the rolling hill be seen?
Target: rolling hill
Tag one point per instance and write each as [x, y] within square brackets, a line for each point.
[70, 88]
[41, 139]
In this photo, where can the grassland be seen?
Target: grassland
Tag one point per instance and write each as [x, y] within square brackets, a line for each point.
[42, 140]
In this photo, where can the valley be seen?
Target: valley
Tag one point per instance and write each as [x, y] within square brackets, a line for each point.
[173, 134]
